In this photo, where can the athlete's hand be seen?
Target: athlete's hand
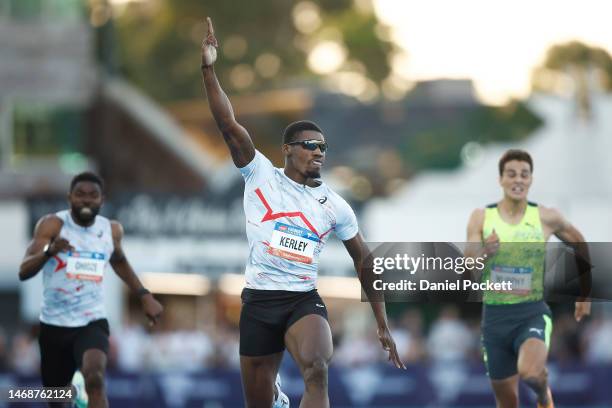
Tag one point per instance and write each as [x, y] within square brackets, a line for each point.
[582, 309]
[209, 46]
[60, 245]
[388, 344]
[152, 308]
[491, 244]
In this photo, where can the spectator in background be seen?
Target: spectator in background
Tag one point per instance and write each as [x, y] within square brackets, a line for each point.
[359, 344]
[132, 343]
[597, 338]
[226, 347]
[359, 349]
[25, 358]
[450, 340]
[566, 346]
[4, 357]
[410, 339]
[182, 350]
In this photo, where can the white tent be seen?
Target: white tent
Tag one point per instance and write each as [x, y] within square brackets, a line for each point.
[572, 172]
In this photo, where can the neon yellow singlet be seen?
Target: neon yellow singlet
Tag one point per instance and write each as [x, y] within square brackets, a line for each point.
[520, 261]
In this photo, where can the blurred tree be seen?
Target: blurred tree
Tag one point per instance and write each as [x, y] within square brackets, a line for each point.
[584, 65]
[439, 145]
[262, 44]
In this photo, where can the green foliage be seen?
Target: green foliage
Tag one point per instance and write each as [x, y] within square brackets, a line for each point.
[439, 146]
[363, 46]
[158, 42]
[575, 57]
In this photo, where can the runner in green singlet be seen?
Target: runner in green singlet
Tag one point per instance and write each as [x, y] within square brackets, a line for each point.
[516, 324]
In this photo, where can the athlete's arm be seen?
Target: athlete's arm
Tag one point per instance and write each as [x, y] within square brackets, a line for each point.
[151, 307]
[475, 248]
[236, 136]
[46, 232]
[556, 224]
[360, 252]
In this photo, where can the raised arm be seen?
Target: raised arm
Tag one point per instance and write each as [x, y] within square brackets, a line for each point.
[236, 136]
[359, 252]
[46, 232]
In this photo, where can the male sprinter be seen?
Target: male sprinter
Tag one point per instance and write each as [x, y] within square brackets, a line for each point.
[517, 324]
[73, 248]
[289, 215]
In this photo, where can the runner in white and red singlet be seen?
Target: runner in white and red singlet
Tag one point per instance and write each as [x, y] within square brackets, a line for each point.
[74, 248]
[290, 214]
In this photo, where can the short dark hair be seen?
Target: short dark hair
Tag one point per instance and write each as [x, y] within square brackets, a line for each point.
[87, 176]
[515, 154]
[295, 128]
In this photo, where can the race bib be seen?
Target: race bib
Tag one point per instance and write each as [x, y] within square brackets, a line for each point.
[85, 265]
[518, 277]
[293, 243]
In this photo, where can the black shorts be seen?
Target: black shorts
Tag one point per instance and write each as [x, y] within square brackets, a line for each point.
[505, 328]
[62, 348]
[267, 314]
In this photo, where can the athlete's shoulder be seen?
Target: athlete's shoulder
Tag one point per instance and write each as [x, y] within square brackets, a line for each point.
[259, 165]
[334, 197]
[116, 229]
[550, 215]
[50, 223]
[478, 214]
[347, 225]
[476, 220]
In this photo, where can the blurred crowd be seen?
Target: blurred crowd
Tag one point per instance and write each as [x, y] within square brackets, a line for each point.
[449, 338]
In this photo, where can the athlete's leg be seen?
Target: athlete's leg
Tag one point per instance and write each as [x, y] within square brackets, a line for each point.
[258, 375]
[506, 392]
[309, 341]
[93, 369]
[56, 361]
[90, 349]
[532, 367]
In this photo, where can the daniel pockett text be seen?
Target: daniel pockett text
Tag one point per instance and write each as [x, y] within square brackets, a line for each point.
[404, 263]
[442, 271]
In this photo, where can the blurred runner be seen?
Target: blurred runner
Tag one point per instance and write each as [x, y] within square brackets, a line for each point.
[517, 324]
[290, 213]
[73, 248]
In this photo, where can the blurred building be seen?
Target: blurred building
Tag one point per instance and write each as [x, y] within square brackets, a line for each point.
[61, 113]
[570, 173]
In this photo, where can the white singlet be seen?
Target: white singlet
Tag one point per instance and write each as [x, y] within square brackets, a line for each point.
[72, 280]
[287, 225]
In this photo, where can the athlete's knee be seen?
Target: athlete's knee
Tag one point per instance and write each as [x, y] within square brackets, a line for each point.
[535, 375]
[536, 379]
[94, 380]
[315, 372]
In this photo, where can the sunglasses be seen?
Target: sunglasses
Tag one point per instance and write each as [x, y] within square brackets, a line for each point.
[312, 145]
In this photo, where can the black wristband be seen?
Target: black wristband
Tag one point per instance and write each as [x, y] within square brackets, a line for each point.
[143, 291]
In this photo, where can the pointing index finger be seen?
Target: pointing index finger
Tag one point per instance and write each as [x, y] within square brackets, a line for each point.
[211, 30]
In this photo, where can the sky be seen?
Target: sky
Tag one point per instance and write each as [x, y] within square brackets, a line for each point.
[497, 43]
